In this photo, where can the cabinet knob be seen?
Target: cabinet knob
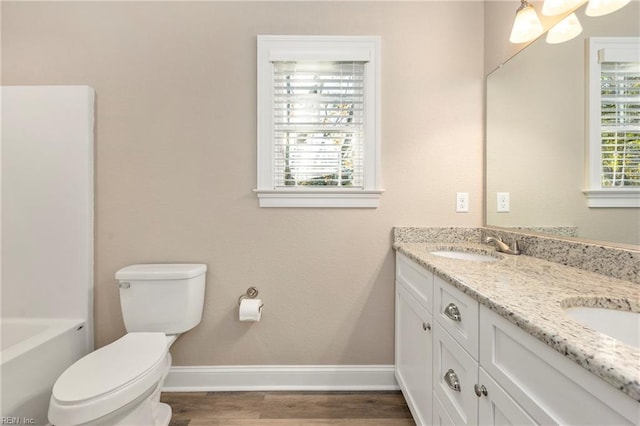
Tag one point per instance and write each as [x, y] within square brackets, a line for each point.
[426, 326]
[452, 312]
[480, 390]
[451, 379]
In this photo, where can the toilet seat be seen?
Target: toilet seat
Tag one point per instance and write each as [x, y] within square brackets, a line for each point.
[109, 378]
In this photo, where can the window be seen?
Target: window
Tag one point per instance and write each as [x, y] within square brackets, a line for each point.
[614, 122]
[318, 121]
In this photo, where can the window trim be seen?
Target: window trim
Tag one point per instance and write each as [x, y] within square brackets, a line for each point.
[597, 195]
[328, 48]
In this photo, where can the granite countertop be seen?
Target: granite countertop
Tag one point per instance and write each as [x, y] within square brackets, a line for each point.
[531, 293]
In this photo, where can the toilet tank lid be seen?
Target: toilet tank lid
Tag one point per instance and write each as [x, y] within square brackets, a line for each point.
[161, 271]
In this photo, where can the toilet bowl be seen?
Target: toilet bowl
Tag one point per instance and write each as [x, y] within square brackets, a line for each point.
[120, 383]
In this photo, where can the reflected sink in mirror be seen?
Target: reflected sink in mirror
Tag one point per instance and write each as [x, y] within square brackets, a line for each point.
[620, 325]
[464, 255]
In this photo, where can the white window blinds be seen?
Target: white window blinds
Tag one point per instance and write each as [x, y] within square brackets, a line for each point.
[318, 124]
[620, 123]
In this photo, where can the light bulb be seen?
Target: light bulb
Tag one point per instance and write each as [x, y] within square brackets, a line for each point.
[556, 7]
[564, 30]
[527, 25]
[603, 7]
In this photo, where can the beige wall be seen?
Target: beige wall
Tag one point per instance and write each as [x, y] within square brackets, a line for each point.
[176, 154]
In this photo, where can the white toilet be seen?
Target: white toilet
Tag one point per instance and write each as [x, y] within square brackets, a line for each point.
[120, 384]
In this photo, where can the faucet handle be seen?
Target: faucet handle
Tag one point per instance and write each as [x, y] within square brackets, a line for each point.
[514, 247]
[493, 238]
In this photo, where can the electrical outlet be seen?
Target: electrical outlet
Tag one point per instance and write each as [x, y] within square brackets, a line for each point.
[462, 202]
[503, 202]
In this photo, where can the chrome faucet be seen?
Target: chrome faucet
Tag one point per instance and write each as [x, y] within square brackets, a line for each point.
[502, 247]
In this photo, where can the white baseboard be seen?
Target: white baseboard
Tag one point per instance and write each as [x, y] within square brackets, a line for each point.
[281, 378]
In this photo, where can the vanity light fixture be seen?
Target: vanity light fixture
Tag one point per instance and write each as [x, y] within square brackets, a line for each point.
[603, 7]
[527, 25]
[564, 30]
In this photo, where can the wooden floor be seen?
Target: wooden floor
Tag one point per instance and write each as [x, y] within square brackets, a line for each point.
[288, 408]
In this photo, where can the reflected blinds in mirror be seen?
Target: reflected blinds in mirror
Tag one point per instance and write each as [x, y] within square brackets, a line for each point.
[620, 123]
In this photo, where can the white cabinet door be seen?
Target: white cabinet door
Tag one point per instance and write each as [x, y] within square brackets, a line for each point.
[454, 375]
[495, 407]
[414, 354]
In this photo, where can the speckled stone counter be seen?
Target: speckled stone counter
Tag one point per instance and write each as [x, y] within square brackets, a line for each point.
[532, 293]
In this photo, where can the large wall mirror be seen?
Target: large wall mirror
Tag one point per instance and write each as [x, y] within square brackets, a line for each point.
[535, 147]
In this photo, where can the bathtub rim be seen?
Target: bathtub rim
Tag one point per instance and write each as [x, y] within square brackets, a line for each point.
[55, 327]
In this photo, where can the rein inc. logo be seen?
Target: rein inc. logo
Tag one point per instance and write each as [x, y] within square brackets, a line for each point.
[17, 421]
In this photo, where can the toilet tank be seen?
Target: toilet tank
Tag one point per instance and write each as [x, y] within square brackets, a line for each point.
[164, 298]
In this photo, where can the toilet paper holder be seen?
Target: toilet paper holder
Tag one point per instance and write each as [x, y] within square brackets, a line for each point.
[251, 293]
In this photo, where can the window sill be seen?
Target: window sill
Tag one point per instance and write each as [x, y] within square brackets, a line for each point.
[612, 198]
[319, 198]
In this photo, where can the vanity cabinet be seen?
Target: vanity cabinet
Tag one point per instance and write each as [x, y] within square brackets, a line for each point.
[459, 363]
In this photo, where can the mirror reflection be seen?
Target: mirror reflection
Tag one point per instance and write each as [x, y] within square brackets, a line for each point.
[536, 130]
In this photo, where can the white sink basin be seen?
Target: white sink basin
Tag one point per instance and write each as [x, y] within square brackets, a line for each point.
[464, 255]
[621, 325]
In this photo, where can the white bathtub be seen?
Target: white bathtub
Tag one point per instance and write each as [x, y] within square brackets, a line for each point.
[34, 353]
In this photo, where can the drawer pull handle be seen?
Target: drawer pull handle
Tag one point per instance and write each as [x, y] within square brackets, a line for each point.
[480, 390]
[426, 326]
[451, 379]
[452, 312]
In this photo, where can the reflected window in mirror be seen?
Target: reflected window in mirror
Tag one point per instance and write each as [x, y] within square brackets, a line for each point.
[614, 122]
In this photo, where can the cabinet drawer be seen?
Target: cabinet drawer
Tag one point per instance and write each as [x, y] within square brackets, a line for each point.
[414, 354]
[464, 326]
[451, 362]
[551, 388]
[417, 279]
